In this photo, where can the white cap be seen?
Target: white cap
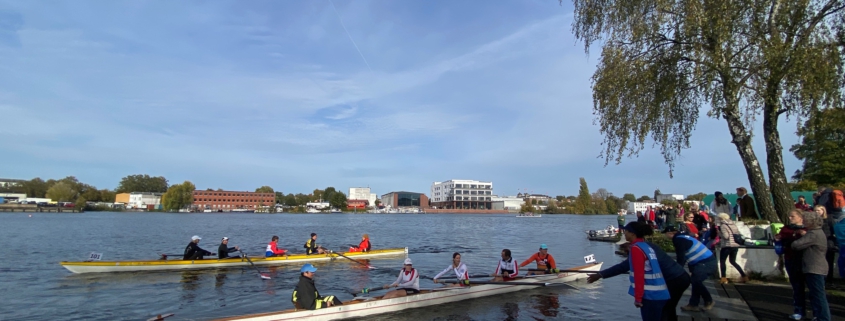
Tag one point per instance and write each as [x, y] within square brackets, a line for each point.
[408, 261]
[225, 238]
[195, 237]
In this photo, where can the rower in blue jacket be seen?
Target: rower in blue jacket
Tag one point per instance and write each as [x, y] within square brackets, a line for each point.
[702, 263]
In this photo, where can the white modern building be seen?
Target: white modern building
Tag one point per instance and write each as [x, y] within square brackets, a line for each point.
[462, 194]
[362, 193]
[510, 203]
[674, 197]
[12, 197]
[634, 207]
[142, 200]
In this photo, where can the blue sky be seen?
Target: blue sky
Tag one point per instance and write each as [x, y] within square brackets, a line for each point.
[240, 94]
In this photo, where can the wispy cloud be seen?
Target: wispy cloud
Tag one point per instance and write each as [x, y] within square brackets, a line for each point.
[239, 95]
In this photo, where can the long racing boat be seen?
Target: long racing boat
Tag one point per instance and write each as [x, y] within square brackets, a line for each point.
[161, 265]
[427, 297]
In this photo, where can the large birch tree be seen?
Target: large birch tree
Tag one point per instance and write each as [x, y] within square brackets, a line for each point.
[662, 61]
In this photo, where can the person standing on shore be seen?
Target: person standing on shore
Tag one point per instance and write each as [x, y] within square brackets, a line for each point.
[814, 244]
[729, 247]
[720, 204]
[792, 262]
[677, 280]
[747, 209]
[648, 286]
[801, 204]
[701, 262]
[671, 216]
[620, 220]
[832, 247]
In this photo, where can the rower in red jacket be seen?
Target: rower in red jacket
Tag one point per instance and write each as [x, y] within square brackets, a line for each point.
[364, 246]
[273, 248]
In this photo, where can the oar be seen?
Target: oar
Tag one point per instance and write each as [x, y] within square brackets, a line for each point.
[262, 275]
[367, 265]
[468, 282]
[367, 290]
[455, 277]
[562, 271]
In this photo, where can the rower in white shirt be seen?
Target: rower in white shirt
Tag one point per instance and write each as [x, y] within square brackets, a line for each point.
[408, 282]
[507, 269]
[459, 268]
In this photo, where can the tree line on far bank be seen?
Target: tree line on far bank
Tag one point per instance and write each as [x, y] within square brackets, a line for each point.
[174, 197]
[600, 202]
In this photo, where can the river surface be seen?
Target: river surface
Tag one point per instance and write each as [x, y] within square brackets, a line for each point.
[35, 287]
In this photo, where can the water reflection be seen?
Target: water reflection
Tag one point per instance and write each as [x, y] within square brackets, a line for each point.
[511, 310]
[548, 305]
[190, 283]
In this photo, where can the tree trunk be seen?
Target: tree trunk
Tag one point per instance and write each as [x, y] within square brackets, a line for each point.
[742, 141]
[774, 160]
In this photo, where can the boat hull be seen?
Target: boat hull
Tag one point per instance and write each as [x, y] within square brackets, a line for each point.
[355, 309]
[164, 265]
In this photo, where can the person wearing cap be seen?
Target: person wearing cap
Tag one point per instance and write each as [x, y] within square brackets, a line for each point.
[544, 260]
[364, 246]
[460, 269]
[306, 296]
[702, 263]
[311, 246]
[508, 269]
[273, 248]
[193, 251]
[407, 283]
[676, 280]
[223, 250]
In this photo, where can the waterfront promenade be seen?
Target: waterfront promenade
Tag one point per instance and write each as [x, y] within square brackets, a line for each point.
[754, 301]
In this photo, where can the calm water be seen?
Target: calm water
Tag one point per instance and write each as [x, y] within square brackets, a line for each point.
[35, 287]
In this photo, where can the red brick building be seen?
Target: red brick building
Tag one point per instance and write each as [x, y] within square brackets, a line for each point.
[232, 200]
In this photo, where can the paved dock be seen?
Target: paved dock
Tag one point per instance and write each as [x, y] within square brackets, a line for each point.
[730, 306]
[773, 301]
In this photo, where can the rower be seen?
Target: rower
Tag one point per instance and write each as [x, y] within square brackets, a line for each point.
[408, 282]
[459, 268]
[364, 246]
[193, 251]
[306, 296]
[544, 260]
[223, 250]
[273, 248]
[507, 270]
[311, 247]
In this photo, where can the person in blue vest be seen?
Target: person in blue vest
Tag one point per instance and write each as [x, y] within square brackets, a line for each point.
[702, 263]
[648, 280]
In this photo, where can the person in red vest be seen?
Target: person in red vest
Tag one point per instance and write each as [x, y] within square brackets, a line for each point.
[364, 246]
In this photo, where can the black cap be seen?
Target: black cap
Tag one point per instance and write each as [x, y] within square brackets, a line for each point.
[313, 234]
[669, 229]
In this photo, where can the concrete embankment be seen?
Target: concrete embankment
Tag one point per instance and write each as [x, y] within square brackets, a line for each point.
[35, 208]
